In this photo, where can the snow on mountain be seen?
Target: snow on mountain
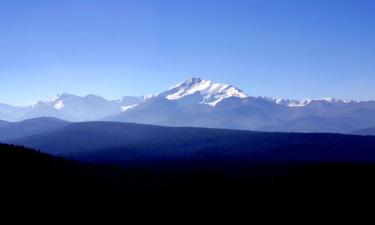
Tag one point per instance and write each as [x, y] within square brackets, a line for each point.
[127, 100]
[132, 100]
[125, 108]
[203, 91]
[89, 107]
[305, 102]
[147, 97]
[290, 102]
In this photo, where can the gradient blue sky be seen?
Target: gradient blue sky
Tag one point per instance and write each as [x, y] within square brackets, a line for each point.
[279, 48]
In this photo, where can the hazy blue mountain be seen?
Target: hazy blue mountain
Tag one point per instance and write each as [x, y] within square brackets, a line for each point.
[367, 131]
[12, 113]
[70, 107]
[317, 124]
[127, 101]
[15, 130]
[110, 141]
[157, 111]
[43, 109]
[4, 123]
[74, 108]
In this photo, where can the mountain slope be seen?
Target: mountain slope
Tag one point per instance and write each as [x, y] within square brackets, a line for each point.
[12, 113]
[15, 130]
[157, 110]
[317, 124]
[4, 123]
[109, 141]
[367, 131]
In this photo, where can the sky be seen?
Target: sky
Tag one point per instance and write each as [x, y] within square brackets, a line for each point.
[278, 48]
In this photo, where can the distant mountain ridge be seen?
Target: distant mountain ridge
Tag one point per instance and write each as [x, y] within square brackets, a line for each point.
[15, 130]
[114, 141]
[367, 131]
[69, 107]
[203, 103]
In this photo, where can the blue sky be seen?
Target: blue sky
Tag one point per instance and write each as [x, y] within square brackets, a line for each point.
[280, 48]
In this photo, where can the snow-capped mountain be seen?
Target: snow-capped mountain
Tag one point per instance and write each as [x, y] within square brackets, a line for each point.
[305, 102]
[89, 107]
[70, 107]
[204, 103]
[196, 90]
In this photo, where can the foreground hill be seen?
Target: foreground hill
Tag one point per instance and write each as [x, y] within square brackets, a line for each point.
[15, 130]
[26, 173]
[111, 141]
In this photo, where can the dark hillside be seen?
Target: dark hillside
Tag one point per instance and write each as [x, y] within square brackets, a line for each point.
[367, 131]
[27, 172]
[15, 130]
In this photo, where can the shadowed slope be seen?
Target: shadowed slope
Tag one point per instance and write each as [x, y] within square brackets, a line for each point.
[367, 131]
[15, 130]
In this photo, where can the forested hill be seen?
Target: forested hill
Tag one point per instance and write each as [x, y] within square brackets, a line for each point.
[27, 172]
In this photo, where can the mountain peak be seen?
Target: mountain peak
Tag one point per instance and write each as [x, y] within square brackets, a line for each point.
[64, 96]
[95, 97]
[188, 82]
[205, 91]
[193, 80]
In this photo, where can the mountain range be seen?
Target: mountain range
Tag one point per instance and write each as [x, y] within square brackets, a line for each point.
[203, 103]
